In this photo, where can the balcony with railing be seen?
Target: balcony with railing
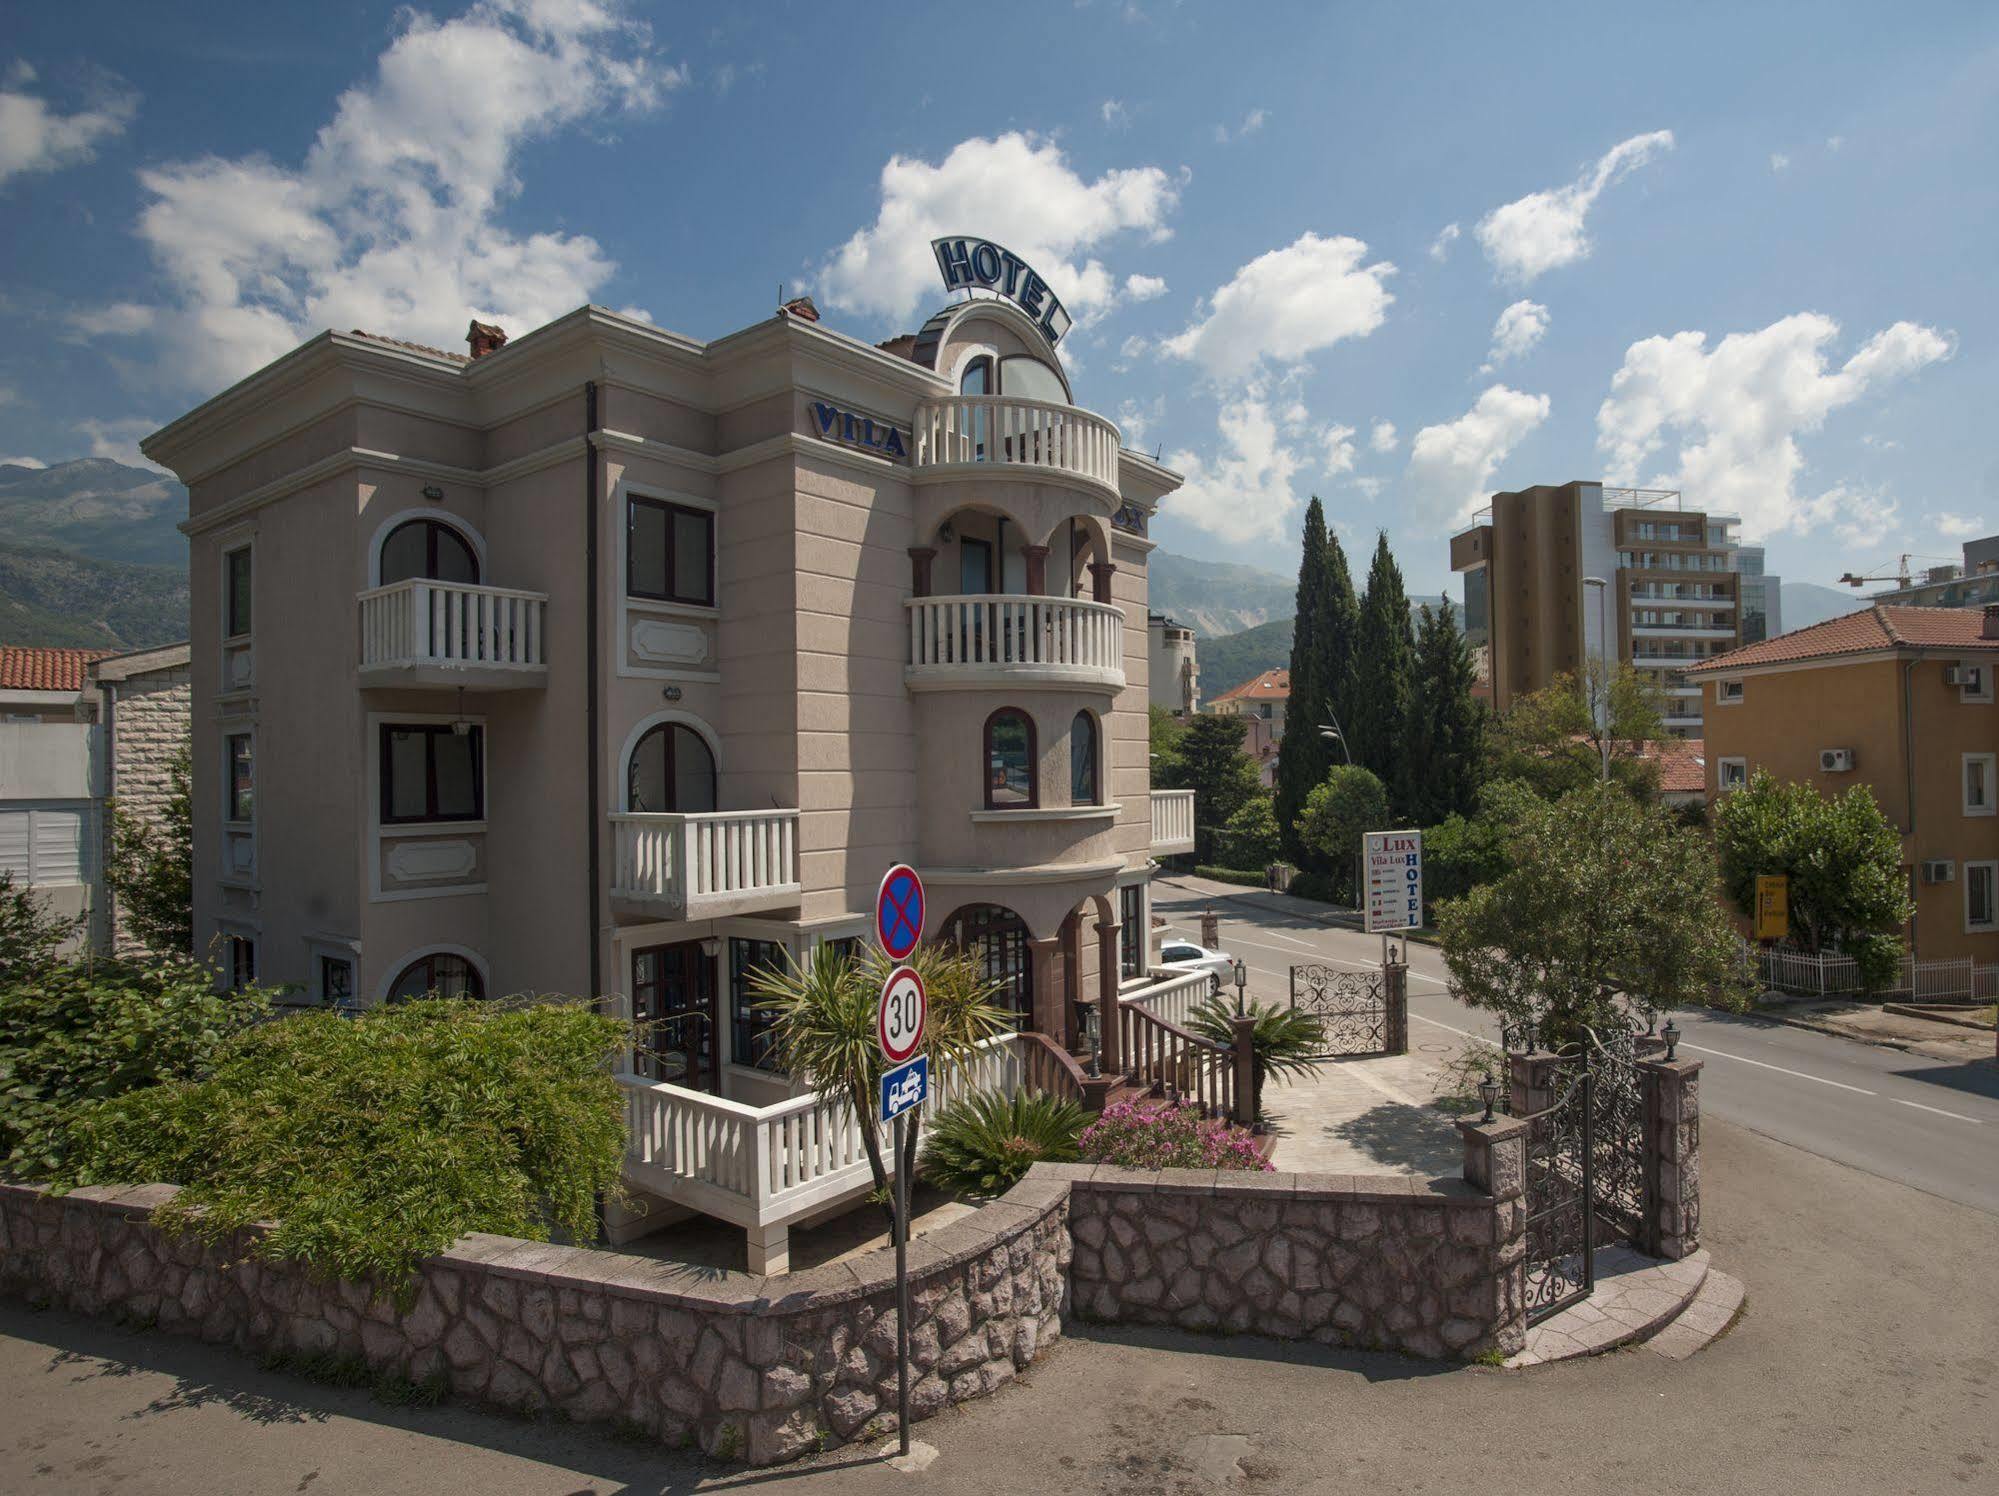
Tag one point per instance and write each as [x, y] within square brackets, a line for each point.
[996, 639]
[989, 436]
[427, 633]
[707, 864]
[1172, 822]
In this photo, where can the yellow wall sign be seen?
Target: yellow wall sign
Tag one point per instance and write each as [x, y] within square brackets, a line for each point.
[1773, 906]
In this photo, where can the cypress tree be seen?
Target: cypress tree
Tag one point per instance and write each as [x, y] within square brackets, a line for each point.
[1446, 733]
[1321, 664]
[1383, 676]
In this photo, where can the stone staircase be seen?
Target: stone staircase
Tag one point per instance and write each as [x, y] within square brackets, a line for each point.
[1670, 1309]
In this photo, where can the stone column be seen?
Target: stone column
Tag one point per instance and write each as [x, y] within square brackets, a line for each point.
[1672, 1157]
[1050, 999]
[1211, 929]
[1395, 1000]
[1531, 1080]
[1495, 1162]
[1037, 569]
[1109, 1024]
[920, 557]
[1100, 580]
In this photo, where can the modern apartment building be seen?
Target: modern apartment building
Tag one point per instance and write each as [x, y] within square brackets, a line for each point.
[1762, 596]
[1972, 584]
[1668, 597]
[1174, 666]
[607, 660]
[1899, 699]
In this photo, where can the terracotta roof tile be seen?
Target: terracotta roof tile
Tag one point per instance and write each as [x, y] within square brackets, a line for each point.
[1880, 627]
[45, 669]
[408, 347]
[1682, 764]
[1271, 685]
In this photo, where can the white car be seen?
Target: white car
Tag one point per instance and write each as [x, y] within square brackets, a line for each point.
[1185, 955]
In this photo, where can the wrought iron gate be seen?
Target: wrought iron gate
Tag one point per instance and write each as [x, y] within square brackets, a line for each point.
[1351, 1006]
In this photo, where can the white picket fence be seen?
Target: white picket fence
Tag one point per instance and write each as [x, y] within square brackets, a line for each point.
[1830, 974]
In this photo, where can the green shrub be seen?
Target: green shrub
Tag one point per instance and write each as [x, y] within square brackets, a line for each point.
[74, 1034]
[985, 1143]
[1317, 886]
[1231, 875]
[375, 1141]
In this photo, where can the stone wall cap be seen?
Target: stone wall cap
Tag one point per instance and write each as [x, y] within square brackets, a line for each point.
[1254, 1182]
[1324, 1186]
[1498, 1130]
[1068, 1173]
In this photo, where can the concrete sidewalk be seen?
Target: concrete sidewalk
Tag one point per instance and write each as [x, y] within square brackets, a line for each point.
[1872, 1023]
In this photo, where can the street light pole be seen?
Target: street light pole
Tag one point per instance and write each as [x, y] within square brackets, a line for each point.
[1331, 733]
[1603, 655]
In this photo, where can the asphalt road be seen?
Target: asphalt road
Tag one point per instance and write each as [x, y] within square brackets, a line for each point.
[1927, 1123]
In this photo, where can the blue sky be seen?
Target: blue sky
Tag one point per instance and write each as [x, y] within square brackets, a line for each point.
[1741, 249]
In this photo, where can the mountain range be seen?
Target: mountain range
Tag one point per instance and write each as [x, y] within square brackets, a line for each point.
[89, 555]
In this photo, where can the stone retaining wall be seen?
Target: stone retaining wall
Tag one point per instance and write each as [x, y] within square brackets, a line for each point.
[1430, 1267]
[762, 1369]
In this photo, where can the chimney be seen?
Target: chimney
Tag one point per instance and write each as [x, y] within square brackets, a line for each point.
[800, 307]
[483, 338]
[1990, 630]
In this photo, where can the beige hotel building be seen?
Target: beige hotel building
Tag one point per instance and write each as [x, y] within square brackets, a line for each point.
[606, 660]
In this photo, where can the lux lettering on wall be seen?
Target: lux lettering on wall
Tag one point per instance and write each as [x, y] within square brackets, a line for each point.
[969, 262]
[855, 430]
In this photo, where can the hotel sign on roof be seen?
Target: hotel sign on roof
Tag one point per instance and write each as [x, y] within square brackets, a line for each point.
[967, 263]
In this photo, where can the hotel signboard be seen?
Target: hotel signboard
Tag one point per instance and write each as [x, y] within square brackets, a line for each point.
[979, 264]
[1394, 880]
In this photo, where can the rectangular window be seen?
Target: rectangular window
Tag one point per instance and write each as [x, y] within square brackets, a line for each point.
[242, 782]
[1731, 773]
[753, 1040]
[242, 962]
[236, 592]
[670, 552]
[1727, 692]
[1978, 775]
[433, 772]
[336, 980]
[1131, 931]
[1981, 896]
[1974, 682]
[42, 845]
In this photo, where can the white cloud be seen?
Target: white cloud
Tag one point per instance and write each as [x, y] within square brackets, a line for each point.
[1370, 487]
[1138, 421]
[1440, 247]
[119, 438]
[1515, 333]
[120, 319]
[1451, 465]
[1382, 437]
[1251, 123]
[1244, 494]
[1287, 304]
[1959, 526]
[1143, 287]
[1017, 189]
[1855, 516]
[1834, 142]
[1115, 114]
[1545, 230]
[35, 138]
[392, 221]
[1779, 161]
[26, 462]
[1339, 449]
[1738, 409]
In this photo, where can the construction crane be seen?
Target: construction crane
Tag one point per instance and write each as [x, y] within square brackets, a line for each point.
[1900, 576]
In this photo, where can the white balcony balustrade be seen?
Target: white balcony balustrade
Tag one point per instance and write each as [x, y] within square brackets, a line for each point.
[981, 433]
[1172, 821]
[992, 639]
[427, 633]
[706, 865]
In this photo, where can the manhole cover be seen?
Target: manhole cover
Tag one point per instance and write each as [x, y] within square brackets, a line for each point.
[1434, 1048]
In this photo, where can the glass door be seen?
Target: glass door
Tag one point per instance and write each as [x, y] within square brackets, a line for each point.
[673, 1001]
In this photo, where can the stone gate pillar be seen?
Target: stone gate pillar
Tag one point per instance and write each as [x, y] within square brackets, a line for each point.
[1531, 1081]
[1395, 1006]
[1672, 1157]
[1495, 1162]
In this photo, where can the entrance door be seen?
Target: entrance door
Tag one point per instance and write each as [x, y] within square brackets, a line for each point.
[673, 998]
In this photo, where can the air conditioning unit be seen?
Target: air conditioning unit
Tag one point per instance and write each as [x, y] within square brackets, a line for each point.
[1941, 870]
[1956, 675]
[1835, 760]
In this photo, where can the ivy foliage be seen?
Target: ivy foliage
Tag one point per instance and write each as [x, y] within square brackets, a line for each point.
[377, 1140]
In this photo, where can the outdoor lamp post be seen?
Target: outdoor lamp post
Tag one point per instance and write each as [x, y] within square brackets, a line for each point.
[1241, 981]
[1488, 1092]
[1330, 732]
[1603, 652]
[1671, 1034]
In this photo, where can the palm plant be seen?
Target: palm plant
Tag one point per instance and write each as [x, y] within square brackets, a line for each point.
[824, 1029]
[985, 1143]
[1284, 1041]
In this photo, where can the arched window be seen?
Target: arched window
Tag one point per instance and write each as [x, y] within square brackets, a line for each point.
[997, 938]
[1083, 760]
[427, 548]
[440, 972]
[977, 380]
[671, 769]
[1009, 760]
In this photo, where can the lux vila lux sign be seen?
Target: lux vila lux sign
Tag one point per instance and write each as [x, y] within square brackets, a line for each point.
[967, 262]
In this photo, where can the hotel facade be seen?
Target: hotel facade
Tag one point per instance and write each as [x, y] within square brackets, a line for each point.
[608, 661]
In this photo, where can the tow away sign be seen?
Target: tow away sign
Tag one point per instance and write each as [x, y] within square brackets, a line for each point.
[1394, 870]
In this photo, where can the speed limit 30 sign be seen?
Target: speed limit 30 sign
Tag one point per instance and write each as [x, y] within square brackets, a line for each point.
[899, 1019]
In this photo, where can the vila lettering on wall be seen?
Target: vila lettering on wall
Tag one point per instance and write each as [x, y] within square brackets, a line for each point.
[857, 430]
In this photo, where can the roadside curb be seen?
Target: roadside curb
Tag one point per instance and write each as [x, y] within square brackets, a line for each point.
[1905, 1046]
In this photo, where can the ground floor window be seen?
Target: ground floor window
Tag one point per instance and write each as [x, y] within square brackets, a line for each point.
[1981, 896]
[752, 1028]
[242, 962]
[336, 980]
[997, 939]
[42, 845]
[673, 999]
[441, 973]
[1131, 931]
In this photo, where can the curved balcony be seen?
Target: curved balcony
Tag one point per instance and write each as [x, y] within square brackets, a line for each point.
[993, 639]
[988, 436]
[426, 633]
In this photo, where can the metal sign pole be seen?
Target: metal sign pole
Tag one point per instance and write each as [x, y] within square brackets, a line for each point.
[901, 1290]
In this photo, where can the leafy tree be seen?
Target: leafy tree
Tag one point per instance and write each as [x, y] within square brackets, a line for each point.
[152, 866]
[1843, 858]
[1212, 764]
[1462, 852]
[1607, 905]
[374, 1141]
[1347, 804]
[1322, 650]
[1284, 1041]
[1165, 733]
[31, 934]
[1384, 676]
[1444, 738]
[1553, 738]
[984, 1143]
[824, 1034]
[1250, 839]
